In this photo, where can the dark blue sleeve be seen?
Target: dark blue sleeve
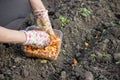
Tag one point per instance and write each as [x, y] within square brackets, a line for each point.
[13, 12]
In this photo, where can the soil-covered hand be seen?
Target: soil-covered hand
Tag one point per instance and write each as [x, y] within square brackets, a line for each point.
[37, 38]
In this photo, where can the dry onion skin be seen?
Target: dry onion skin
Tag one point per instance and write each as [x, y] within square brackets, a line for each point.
[48, 52]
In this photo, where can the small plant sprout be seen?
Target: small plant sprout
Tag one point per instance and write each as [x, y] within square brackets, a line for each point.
[104, 30]
[62, 25]
[63, 52]
[80, 66]
[85, 12]
[62, 5]
[118, 62]
[93, 57]
[63, 20]
[85, 48]
[105, 55]
[115, 22]
[82, 4]
[119, 22]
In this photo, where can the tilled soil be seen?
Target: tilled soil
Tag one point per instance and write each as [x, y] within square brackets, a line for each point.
[92, 40]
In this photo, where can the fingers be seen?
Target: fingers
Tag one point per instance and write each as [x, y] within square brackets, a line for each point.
[44, 21]
[37, 38]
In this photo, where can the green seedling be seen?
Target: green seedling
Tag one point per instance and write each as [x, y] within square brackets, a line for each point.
[119, 22]
[80, 66]
[104, 30]
[63, 52]
[115, 22]
[63, 20]
[105, 55]
[62, 25]
[85, 12]
[112, 5]
[86, 48]
[118, 62]
[82, 4]
[62, 5]
[93, 57]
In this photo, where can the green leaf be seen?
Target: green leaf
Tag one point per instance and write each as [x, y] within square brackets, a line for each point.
[105, 55]
[92, 55]
[85, 12]
[63, 52]
[63, 19]
[104, 30]
[118, 62]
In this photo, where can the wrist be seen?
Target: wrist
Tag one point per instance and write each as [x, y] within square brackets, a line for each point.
[22, 36]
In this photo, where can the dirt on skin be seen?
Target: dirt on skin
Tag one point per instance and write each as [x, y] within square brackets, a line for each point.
[94, 41]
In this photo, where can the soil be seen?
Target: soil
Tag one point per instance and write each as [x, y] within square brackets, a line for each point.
[98, 60]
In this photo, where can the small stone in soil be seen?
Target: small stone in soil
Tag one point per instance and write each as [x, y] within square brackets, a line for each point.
[89, 76]
[2, 77]
[17, 60]
[117, 56]
[63, 75]
[24, 73]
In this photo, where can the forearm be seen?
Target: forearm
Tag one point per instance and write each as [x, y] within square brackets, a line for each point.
[11, 36]
[37, 4]
[42, 16]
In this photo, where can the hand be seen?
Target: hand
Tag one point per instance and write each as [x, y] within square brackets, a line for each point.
[44, 21]
[37, 38]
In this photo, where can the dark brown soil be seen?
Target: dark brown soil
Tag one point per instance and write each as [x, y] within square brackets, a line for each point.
[99, 61]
